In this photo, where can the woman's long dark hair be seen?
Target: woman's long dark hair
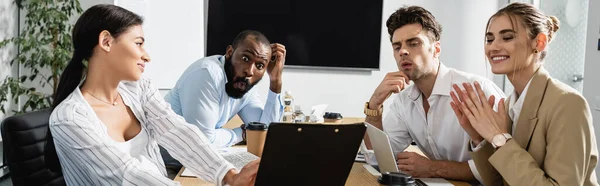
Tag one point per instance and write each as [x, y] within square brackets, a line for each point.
[91, 23]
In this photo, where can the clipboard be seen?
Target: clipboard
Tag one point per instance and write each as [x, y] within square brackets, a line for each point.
[309, 154]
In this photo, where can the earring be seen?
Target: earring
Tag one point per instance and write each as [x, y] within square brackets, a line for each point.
[535, 51]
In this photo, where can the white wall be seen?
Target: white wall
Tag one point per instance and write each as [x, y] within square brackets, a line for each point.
[347, 91]
[175, 38]
[461, 49]
[8, 29]
[174, 34]
[591, 90]
[85, 4]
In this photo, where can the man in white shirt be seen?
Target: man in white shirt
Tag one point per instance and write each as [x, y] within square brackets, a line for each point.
[421, 111]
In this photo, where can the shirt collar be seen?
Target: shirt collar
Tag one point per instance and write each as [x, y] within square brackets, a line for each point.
[413, 92]
[516, 104]
[443, 82]
[222, 59]
[442, 85]
[222, 63]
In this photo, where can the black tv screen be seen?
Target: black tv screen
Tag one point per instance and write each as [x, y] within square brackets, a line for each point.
[316, 33]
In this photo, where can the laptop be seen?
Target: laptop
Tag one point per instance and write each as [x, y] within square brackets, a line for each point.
[386, 160]
[309, 154]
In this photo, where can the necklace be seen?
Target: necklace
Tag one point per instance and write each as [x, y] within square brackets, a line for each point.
[114, 103]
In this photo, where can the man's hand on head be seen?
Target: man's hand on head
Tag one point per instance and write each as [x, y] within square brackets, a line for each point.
[275, 67]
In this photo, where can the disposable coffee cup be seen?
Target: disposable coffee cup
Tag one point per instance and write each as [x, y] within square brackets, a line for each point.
[256, 134]
[332, 117]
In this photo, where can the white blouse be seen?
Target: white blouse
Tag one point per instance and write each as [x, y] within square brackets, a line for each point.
[89, 156]
[135, 147]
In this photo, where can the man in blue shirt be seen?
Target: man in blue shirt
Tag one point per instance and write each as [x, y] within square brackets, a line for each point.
[214, 89]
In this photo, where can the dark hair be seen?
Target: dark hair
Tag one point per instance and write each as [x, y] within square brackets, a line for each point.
[244, 34]
[532, 19]
[94, 20]
[414, 14]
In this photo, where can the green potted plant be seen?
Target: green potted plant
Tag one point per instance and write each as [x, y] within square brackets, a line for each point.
[45, 47]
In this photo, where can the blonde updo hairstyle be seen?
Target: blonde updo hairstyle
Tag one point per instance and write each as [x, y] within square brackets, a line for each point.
[532, 19]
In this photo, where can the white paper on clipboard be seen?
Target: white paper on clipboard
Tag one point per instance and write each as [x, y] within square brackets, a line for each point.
[228, 151]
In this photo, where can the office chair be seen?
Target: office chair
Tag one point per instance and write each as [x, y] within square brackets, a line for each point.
[24, 141]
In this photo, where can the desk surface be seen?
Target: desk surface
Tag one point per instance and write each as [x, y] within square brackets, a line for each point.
[359, 176]
[236, 121]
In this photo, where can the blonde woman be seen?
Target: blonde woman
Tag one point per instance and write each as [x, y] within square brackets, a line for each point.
[543, 134]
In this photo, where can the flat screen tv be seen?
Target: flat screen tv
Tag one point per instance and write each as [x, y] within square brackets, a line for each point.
[316, 33]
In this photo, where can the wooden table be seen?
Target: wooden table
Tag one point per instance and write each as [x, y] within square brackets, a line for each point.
[236, 121]
[359, 176]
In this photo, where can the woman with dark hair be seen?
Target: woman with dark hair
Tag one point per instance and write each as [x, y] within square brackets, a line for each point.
[545, 136]
[107, 125]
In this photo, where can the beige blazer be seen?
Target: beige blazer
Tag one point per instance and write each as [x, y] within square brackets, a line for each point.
[554, 143]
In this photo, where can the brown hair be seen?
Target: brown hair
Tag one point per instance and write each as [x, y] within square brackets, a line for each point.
[414, 14]
[532, 19]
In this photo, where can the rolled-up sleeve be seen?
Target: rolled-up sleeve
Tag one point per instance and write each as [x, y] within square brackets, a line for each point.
[269, 112]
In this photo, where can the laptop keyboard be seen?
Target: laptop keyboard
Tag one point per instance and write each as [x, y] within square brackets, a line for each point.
[240, 159]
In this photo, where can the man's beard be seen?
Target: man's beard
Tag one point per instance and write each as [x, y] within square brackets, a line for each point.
[413, 74]
[231, 80]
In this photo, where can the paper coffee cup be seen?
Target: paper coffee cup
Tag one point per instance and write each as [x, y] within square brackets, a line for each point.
[256, 134]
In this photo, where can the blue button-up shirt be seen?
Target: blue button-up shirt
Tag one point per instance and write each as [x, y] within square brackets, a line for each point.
[199, 96]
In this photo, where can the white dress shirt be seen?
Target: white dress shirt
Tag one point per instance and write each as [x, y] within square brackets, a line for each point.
[438, 133]
[516, 105]
[89, 156]
[200, 97]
